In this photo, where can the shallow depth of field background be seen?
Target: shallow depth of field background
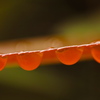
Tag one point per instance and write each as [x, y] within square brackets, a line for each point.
[36, 18]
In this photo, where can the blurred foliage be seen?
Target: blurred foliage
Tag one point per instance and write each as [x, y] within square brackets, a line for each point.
[52, 82]
[81, 30]
[30, 18]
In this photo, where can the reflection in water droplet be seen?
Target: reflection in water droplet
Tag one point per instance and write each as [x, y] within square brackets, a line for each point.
[95, 50]
[3, 61]
[29, 61]
[69, 56]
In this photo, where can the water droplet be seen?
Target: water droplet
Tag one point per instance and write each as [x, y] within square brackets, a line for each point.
[95, 50]
[12, 59]
[49, 56]
[69, 56]
[3, 61]
[29, 61]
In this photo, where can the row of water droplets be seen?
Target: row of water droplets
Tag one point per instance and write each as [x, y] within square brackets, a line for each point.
[68, 55]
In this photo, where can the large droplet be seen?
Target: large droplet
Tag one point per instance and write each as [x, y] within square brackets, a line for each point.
[29, 61]
[70, 55]
[95, 50]
[3, 61]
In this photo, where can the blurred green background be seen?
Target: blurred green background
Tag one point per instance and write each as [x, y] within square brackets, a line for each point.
[34, 18]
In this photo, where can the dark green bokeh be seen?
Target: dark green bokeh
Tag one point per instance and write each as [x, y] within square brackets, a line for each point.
[31, 18]
[53, 82]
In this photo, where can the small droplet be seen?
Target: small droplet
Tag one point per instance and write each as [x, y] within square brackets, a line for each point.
[49, 56]
[95, 50]
[69, 56]
[3, 61]
[29, 61]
